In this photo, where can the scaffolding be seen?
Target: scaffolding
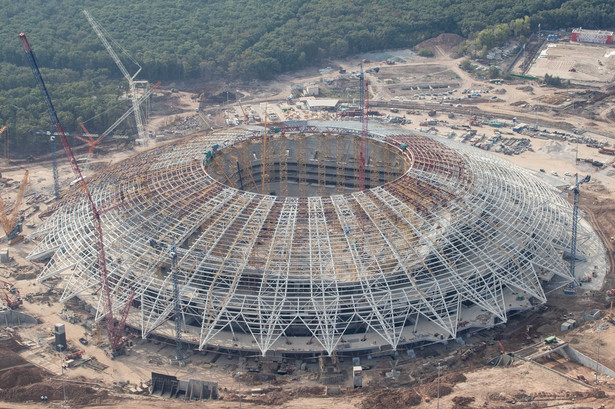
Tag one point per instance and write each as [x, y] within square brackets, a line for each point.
[301, 167]
[448, 232]
[340, 174]
[322, 163]
[283, 161]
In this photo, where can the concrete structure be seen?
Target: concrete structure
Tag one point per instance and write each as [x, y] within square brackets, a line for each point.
[568, 325]
[311, 90]
[60, 337]
[12, 318]
[321, 104]
[576, 356]
[4, 256]
[592, 36]
[444, 238]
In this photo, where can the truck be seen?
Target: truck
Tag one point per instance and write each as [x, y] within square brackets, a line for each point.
[550, 340]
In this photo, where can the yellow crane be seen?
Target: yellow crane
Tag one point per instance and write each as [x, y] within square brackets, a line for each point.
[11, 227]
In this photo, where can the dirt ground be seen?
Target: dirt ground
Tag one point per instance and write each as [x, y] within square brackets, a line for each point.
[589, 62]
[466, 384]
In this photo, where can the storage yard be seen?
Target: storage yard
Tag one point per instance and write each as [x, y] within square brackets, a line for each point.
[312, 255]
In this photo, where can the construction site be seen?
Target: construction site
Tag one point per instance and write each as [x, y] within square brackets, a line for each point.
[324, 254]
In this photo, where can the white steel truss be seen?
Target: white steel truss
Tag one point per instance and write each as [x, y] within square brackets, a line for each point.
[459, 228]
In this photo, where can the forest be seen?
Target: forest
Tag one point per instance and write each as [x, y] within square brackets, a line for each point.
[233, 40]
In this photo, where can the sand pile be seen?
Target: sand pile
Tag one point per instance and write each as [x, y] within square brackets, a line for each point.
[20, 376]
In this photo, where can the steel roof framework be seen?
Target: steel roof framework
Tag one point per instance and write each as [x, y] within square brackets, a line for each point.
[458, 226]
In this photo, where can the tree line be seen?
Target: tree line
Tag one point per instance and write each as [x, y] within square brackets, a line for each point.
[230, 39]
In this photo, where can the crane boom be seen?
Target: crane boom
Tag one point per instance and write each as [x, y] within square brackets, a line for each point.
[8, 221]
[101, 33]
[101, 259]
[130, 111]
[245, 116]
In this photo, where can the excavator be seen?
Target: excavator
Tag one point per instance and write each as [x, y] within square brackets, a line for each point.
[11, 223]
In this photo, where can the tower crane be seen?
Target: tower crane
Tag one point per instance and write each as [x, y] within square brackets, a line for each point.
[364, 123]
[132, 84]
[54, 165]
[575, 220]
[113, 331]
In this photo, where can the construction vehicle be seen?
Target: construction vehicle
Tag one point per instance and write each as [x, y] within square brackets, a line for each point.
[74, 355]
[527, 335]
[245, 116]
[11, 223]
[478, 347]
[474, 121]
[10, 294]
[502, 350]
[114, 331]
[466, 354]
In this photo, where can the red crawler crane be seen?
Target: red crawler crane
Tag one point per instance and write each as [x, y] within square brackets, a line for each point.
[113, 331]
[364, 137]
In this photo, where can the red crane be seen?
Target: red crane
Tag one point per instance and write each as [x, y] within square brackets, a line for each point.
[91, 142]
[113, 331]
[364, 136]
[245, 116]
[11, 295]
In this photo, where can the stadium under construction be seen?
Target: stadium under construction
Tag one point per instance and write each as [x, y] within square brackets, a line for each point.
[279, 249]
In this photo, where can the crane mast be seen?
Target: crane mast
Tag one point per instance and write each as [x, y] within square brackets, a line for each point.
[102, 34]
[54, 166]
[575, 221]
[112, 331]
[364, 127]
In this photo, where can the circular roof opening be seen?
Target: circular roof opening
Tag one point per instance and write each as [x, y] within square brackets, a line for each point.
[305, 165]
